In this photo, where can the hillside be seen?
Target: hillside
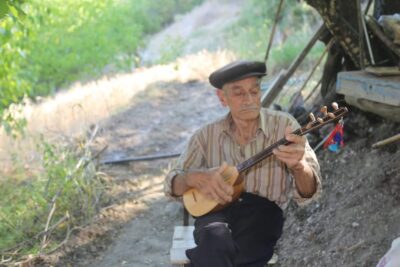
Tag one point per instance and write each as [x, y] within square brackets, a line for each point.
[358, 214]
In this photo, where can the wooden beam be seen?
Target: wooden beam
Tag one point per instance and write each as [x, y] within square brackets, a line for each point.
[360, 34]
[269, 97]
[273, 91]
[387, 141]
[375, 28]
[271, 37]
[295, 96]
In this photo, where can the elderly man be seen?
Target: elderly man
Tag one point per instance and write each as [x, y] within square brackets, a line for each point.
[246, 231]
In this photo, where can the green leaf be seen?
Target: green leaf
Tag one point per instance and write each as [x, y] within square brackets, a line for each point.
[17, 12]
[4, 8]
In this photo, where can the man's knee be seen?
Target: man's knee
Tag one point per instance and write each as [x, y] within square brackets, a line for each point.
[217, 236]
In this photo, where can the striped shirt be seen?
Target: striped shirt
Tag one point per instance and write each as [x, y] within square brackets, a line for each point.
[214, 144]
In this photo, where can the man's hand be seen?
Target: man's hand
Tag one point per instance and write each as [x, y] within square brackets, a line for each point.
[292, 154]
[211, 184]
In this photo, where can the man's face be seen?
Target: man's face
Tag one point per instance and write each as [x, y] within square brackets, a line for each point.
[243, 98]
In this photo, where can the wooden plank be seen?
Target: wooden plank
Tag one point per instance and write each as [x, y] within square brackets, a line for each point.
[363, 85]
[181, 241]
[178, 256]
[183, 232]
[383, 71]
[183, 244]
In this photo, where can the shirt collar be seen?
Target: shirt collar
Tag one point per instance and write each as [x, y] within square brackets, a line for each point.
[228, 121]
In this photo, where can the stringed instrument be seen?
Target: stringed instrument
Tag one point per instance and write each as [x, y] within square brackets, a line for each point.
[197, 204]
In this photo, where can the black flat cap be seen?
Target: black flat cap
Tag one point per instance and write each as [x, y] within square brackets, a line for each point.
[236, 71]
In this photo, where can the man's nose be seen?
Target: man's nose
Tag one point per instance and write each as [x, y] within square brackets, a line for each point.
[249, 97]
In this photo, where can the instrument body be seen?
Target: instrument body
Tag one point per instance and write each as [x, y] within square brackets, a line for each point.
[197, 204]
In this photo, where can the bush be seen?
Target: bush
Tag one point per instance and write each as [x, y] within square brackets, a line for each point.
[67, 180]
[52, 43]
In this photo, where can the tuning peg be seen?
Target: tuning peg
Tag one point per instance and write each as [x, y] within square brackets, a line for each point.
[312, 117]
[312, 120]
[335, 106]
[324, 110]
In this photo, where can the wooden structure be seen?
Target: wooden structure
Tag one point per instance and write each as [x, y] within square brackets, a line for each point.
[357, 43]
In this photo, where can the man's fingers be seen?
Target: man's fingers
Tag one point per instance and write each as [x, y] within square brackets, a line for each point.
[289, 154]
[213, 195]
[219, 196]
[223, 196]
[288, 130]
[293, 137]
[222, 168]
[216, 188]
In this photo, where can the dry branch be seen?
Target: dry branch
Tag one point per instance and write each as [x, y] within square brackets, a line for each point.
[387, 141]
[46, 233]
[274, 90]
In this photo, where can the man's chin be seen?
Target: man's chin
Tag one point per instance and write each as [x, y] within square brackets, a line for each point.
[249, 114]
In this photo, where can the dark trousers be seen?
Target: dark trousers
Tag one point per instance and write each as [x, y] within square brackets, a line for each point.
[243, 234]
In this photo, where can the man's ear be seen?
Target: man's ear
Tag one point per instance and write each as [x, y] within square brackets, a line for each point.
[221, 97]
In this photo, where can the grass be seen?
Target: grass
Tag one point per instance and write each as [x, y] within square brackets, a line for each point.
[67, 179]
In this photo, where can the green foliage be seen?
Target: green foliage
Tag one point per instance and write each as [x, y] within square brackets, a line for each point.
[249, 37]
[27, 201]
[14, 127]
[283, 55]
[47, 44]
[13, 84]
[172, 50]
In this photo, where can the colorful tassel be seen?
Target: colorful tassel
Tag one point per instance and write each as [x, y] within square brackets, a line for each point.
[335, 139]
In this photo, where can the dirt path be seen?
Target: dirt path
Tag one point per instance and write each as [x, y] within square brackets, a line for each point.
[201, 29]
[160, 120]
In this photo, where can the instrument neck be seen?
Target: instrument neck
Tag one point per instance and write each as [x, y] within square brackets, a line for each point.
[245, 165]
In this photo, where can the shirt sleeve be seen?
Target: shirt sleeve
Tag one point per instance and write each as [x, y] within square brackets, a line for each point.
[191, 158]
[311, 159]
